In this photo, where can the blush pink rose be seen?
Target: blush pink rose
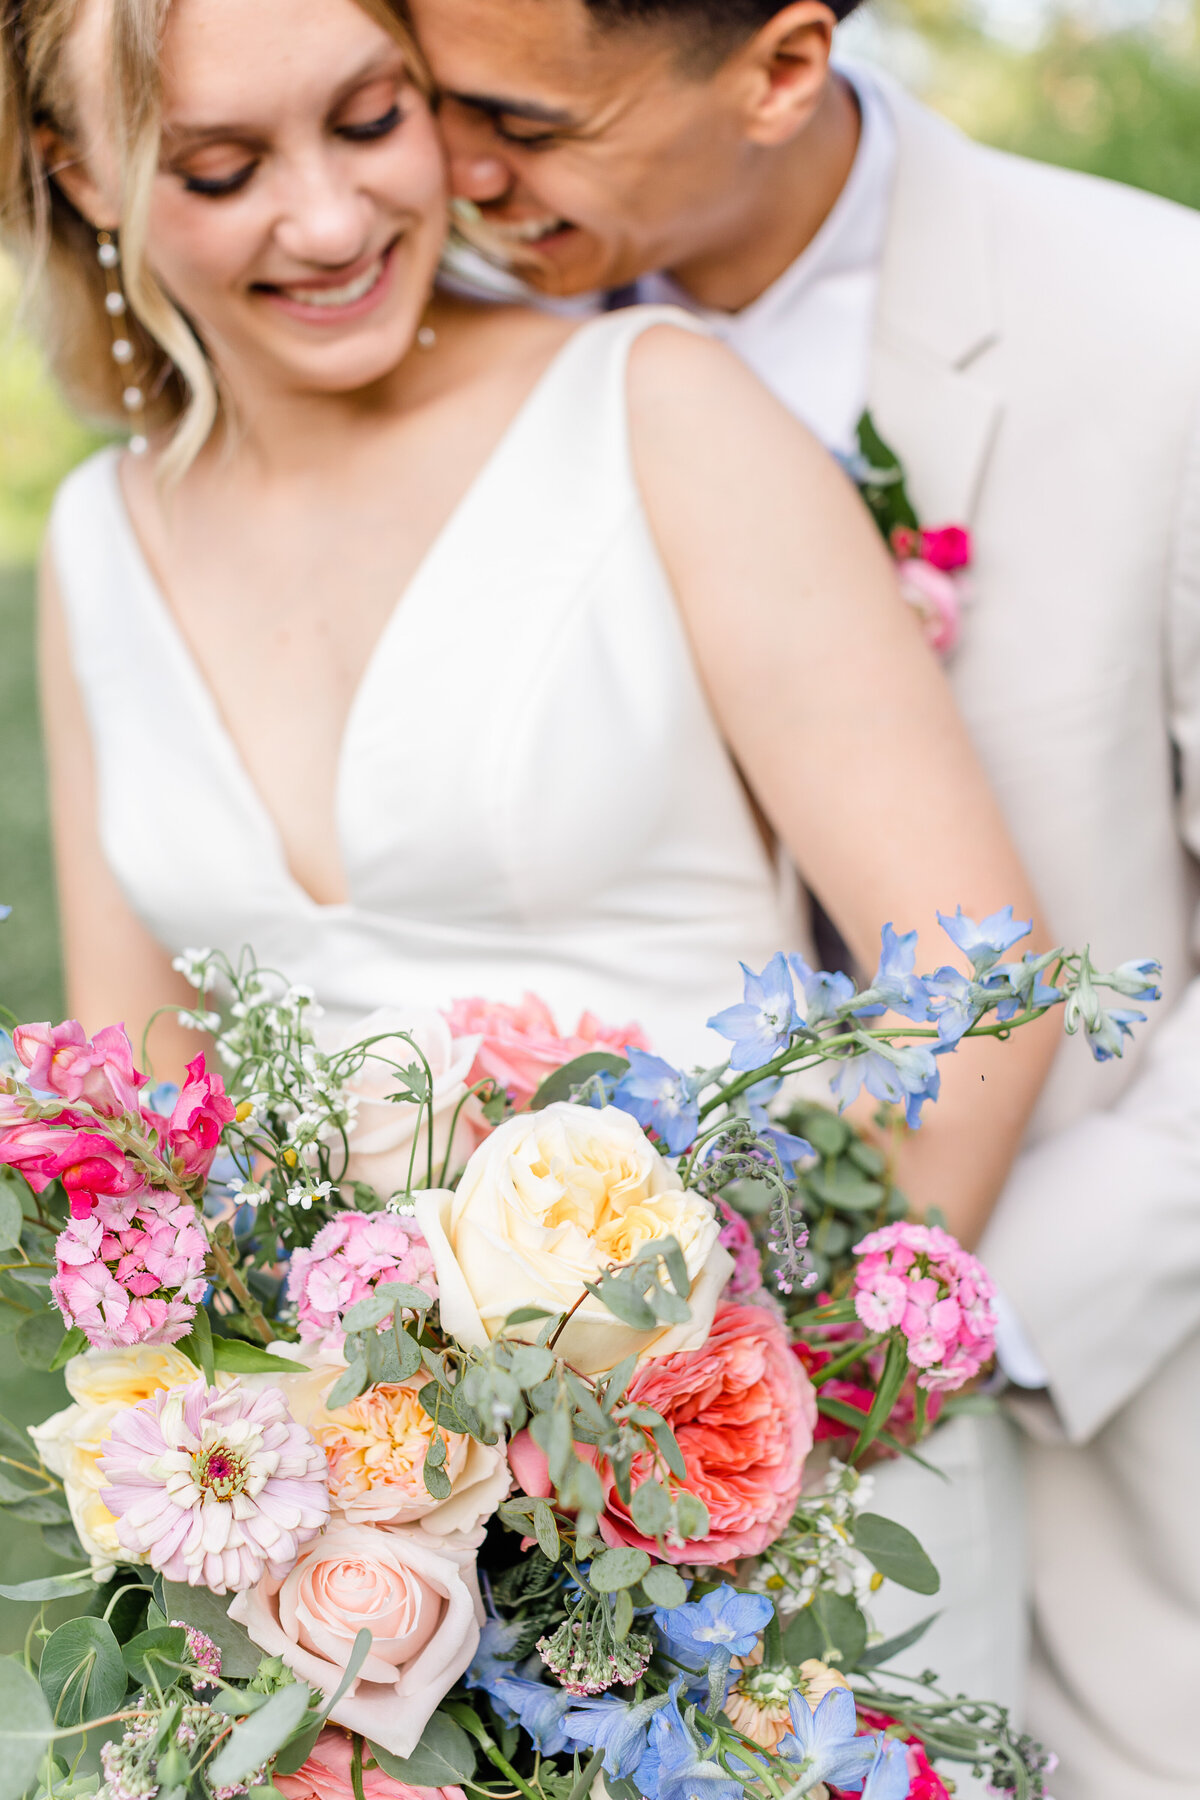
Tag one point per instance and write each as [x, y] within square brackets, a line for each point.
[521, 1045]
[326, 1776]
[936, 598]
[419, 1598]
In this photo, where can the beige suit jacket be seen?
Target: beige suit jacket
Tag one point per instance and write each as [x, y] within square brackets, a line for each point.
[1037, 366]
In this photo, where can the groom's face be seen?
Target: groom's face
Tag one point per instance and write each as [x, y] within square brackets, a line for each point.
[592, 156]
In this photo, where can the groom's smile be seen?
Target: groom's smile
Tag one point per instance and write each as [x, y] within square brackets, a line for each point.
[590, 153]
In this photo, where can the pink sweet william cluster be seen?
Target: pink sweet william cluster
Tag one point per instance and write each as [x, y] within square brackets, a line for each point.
[132, 1271]
[521, 1045]
[346, 1260]
[929, 564]
[95, 1080]
[919, 1280]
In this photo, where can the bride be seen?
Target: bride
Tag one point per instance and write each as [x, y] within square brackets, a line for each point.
[435, 649]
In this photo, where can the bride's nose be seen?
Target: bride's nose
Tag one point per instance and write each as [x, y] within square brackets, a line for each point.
[327, 217]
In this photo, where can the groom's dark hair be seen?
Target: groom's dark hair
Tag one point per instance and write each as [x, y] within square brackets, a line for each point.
[729, 20]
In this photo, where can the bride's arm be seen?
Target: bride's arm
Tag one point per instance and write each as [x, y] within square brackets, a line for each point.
[115, 971]
[838, 715]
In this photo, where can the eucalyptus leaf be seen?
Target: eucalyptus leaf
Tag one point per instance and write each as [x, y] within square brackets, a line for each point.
[26, 1724]
[348, 1385]
[32, 1277]
[624, 1302]
[617, 1569]
[73, 1344]
[152, 1655]
[827, 1134]
[664, 1586]
[252, 1742]
[41, 1509]
[63, 1540]
[405, 1294]
[896, 1553]
[208, 1612]
[831, 1622]
[11, 1215]
[364, 1315]
[691, 1515]
[558, 1086]
[651, 1508]
[81, 1671]
[668, 1449]
[546, 1531]
[528, 1315]
[878, 1654]
[51, 1587]
[444, 1757]
[623, 1615]
[530, 1365]
[10, 1490]
[845, 1189]
[39, 1337]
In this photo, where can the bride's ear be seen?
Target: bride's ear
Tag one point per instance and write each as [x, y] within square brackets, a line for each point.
[784, 69]
[66, 168]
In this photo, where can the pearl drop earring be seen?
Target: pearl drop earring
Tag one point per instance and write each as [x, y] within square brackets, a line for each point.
[115, 305]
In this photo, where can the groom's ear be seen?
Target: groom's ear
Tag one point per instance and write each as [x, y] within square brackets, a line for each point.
[782, 72]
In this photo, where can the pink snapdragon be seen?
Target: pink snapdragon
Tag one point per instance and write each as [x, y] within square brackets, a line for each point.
[201, 1113]
[919, 1280]
[213, 1486]
[133, 1271]
[87, 1163]
[346, 1260]
[522, 1045]
[98, 1071]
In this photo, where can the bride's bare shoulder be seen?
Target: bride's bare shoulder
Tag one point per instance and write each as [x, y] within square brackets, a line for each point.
[486, 332]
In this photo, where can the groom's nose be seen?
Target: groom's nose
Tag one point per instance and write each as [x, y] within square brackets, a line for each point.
[483, 179]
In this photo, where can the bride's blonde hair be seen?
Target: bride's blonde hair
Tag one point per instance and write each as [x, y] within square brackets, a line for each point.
[55, 247]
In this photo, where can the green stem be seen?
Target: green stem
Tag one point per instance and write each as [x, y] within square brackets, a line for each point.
[856, 1353]
[495, 1755]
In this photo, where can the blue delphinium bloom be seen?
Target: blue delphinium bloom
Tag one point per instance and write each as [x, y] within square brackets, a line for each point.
[621, 1728]
[1107, 1031]
[956, 1002]
[824, 1742]
[985, 942]
[1137, 980]
[662, 1097]
[895, 987]
[724, 1620]
[494, 1656]
[826, 996]
[887, 1778]
[1025, 980]
[761, 1026]
[675, 1765]
[538, 1708]
[900, 1075]
[5, 913]
[788, 1148]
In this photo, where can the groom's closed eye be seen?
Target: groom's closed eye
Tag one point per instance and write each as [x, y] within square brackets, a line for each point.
[523, 122]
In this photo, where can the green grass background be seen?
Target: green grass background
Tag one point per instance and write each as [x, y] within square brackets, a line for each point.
[1109, 86]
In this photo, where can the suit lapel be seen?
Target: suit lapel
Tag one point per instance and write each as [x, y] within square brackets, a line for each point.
[937, 315]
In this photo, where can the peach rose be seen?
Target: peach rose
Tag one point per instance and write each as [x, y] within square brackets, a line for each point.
[419, 1598]
[326, 1776]
[375, 1447]
[546, 1204]
[382, 1138]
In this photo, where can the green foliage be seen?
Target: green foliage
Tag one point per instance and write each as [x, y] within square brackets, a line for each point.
[82, 1673]
[444, 1756]
[25, 1728]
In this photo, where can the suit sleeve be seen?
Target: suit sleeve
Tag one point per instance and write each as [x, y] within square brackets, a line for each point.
[1113, 1203]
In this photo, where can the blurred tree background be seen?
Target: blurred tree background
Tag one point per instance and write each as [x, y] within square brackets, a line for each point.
[1107, 86]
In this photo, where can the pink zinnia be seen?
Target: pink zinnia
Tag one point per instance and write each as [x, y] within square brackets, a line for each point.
[347, 1259]
[919, 1280]
[522, 1044]
[214, 1486]
[133, 1271]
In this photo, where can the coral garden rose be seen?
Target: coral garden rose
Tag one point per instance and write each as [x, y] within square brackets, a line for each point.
[103, 1384]
[375, 1450]
[519, 1046]
[325, 1775]
[744, 1414]
[419, 1598]
[549, 1202]
[381, 1142]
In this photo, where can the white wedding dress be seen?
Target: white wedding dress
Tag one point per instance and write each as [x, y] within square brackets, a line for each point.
[532, 794]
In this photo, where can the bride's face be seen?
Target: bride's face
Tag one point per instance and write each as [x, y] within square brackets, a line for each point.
[298, 208]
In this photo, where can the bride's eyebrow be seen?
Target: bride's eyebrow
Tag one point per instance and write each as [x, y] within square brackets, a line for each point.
[180, 135]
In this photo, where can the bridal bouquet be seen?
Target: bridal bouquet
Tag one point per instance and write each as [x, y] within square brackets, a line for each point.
[461, 1409]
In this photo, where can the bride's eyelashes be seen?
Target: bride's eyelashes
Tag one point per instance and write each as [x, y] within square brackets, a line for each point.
[357, 131]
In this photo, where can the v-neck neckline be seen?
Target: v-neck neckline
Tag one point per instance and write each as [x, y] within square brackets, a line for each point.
[205, 696]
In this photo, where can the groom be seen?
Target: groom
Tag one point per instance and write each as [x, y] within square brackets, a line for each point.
[1028, 341]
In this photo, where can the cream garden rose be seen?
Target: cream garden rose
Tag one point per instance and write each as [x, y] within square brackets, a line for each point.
[381, 1144]
[375, 1449]
[103, 1384]
[419, 1598]
[547, 1203]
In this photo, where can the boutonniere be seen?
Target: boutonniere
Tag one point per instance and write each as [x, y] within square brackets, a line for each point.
[931, 563]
